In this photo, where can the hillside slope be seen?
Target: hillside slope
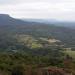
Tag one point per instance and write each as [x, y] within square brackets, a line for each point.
[9, 27]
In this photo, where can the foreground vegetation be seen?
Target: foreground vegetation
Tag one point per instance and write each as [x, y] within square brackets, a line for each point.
[22, 63]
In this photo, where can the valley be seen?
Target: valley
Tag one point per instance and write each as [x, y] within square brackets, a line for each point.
[26, 47]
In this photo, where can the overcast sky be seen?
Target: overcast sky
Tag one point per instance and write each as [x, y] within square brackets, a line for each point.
[41, 9]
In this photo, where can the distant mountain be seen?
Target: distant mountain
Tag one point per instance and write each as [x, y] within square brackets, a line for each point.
[53, 21]
[66, 24]
[46, 21]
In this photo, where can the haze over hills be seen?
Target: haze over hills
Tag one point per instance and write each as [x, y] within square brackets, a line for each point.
[53, 21]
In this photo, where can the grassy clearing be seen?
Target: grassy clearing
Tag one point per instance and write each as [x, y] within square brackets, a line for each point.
[70, 53]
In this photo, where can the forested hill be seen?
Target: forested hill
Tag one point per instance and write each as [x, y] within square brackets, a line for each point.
[5, 19]
[10, 27]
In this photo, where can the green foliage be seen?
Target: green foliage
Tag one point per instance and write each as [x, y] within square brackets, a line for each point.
[20, 61]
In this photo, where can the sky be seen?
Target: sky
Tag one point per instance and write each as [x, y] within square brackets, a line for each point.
[39, 9]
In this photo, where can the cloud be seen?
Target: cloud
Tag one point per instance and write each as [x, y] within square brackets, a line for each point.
[58, 9]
